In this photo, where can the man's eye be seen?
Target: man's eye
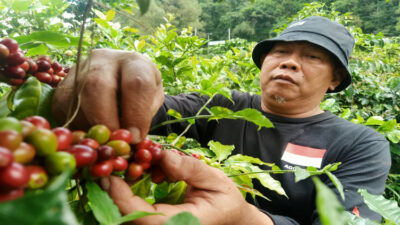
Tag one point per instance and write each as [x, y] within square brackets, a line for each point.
[313, 56]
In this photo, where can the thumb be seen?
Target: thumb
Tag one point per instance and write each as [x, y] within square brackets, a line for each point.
[194, 172]
[123, 197]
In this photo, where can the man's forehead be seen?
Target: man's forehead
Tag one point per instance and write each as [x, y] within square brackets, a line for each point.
[304, 44]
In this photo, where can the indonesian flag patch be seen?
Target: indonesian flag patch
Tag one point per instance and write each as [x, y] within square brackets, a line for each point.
[303, 156]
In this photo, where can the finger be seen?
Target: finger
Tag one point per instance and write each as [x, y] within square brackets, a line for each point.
[64, 103]
[195, 172]
[99, 92]
[142, 94]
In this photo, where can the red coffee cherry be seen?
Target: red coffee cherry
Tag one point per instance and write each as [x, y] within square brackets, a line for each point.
[45, 58]
[57, 67]
[15, 72]
[157, 175]
[33, 67]
[11, 44]
[156, 153]
[25, 66]
[67, 69]
[144, 144]
[37, 176]
[121, 134]
[84, 155]
[14, 176]
[101, 169]
[119, 164]
[15, 59]
[61, 74]
[78, 135]
[6, 158]
[64, 137]
[89, 142]
[134, 171]
[10, 195]
[143, 156]
[43, 65]
[4, 52]
[55, 79]
[24, 153]
[145, 165]
[10, 139]
[27, 128]
[44, 77]
[105, 152]
[38, 121]
[16, 82]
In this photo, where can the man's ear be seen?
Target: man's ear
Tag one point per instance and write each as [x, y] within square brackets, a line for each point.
[337, 78]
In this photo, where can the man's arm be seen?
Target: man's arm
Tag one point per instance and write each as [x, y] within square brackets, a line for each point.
[366, 166]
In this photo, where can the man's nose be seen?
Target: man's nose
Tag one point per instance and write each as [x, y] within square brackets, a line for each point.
[290, 63]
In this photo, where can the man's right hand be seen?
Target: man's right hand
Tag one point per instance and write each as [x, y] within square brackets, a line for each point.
[119, 89]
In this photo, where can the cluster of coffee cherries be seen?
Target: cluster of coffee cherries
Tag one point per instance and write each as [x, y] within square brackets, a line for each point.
[30, 152]
[15, 67]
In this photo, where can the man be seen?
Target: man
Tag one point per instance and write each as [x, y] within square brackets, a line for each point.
[298, 67]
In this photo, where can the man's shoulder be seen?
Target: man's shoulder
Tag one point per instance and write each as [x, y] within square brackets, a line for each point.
[354, 130]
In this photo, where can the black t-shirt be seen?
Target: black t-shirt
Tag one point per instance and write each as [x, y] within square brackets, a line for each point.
[314, 141]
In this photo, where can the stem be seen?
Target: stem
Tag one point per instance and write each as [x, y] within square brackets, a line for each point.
[179, 120]
[274, 171]
[197, 114]
[78, 59]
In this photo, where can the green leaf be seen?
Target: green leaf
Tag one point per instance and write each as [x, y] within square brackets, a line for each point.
[374, 120]
[50, 37]
[21, 5]
[226, 92]
[4, 110]
[161, 191]
[134, 216]
[47, 207]
[26, 99]
[255, 117]
[253, 191]
[394, 149]
[139, 45]
[110, 15]
[267, 181]
[377, 203]
[355, 220]
[387, 126]
[300, 174]
[41, 49]
[221, 151]
[248, 159]
[142, 188]
[44, 108]
[394, 136]
[183, 218]
[173, 136]
[103, 207]
[345, 114]
[331, 212]
[143, 5]
[176, 193]
[337, 184]
[175, 114]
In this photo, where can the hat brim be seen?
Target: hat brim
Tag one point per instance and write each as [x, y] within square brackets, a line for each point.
[265, 46]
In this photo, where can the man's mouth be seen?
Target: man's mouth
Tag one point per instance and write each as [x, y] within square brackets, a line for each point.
[286, 78]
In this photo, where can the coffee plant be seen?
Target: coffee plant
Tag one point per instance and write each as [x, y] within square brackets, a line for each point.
[40, 159]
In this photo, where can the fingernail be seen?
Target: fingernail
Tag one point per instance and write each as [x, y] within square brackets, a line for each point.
[105, 183]
[136, 138]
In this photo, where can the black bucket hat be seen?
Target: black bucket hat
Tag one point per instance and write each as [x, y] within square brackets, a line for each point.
[318, 30]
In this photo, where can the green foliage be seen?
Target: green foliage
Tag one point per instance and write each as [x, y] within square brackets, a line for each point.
[388, 209]
[46, 207]
[104, 209]
[183, 218]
